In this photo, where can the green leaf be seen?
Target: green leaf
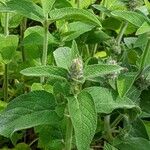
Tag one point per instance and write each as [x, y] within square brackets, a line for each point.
[107, 146]
[26, 8]
[8, 47]
[125, 82]
[28, 110]
[75, 14]
[86, 3]
[130, 16]
[106, 100]
[45, 71]
[143, 29]
[35, 35]
[22, 146]
[84, 119]
[75, 29]
[63, 57]
[134, 144]
[96, 70]
[47, 6]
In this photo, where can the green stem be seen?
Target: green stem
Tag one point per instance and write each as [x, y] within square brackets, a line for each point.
[117, 120]
[104, 4]
[6, 27]
[147, 48]
[22, 30]
[121, 33]
[78, 3]
[6, 33]
[45, 45]
[108, 128]
[69, 131]
[6, 83]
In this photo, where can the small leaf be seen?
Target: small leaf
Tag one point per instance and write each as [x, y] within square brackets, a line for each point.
[143, 29]
[45, 71]
[84, 119]
[63, 57]
[130, 16]
[125, 82]
[47, 5]
[76, 14]
[28, 110]
[96, 70]
[107, 146]
[8, 47]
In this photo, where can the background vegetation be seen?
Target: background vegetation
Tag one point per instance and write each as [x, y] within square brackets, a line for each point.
[75, 74]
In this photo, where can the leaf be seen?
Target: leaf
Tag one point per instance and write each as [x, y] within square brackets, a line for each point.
[75, 29]
[75, 14]
[107, 146]
[84, 119]
[28, 110]
[8, 47]
[130, 16]
[134, 144]
[145, 28]
[45, 71]
[47, 6]
[63, 57]
[125, 82]
[35, 35]
[26, 8]
[96, 70]
[106, 100]
[86, 3]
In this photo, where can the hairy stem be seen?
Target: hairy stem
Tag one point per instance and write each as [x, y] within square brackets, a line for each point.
[69, 130]
[121, 33]
[78, 3]
[45, 45]
[22, 30]
[117, 120]
[6, 33]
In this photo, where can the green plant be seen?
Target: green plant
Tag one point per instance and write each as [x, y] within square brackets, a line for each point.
[79, 74]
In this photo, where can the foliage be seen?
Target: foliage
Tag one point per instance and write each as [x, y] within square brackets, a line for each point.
[75, 74]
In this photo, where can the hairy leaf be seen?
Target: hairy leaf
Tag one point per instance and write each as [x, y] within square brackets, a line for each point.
[84, 119]
[28, 110]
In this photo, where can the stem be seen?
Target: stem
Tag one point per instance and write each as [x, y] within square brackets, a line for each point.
[117, 120]
[6, 27]
[78, 3]
[121, 33]
[108, 128]
[45, 45]
[145, 55]
[6, 83]
[69, 130]
[22, 30]
[6, 33]
[104, 4]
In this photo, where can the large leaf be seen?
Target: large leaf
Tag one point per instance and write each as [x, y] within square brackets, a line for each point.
[134, 144]
[47, 6]
[92, 71]
[84, 119]
[130, 16]
[26, 8]
[125, 82]
[106, 101]
[28, 110]
[76, 14]
[45, 71]
[8, 47]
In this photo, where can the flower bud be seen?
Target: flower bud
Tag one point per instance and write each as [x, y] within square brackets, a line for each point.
[76, 69]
